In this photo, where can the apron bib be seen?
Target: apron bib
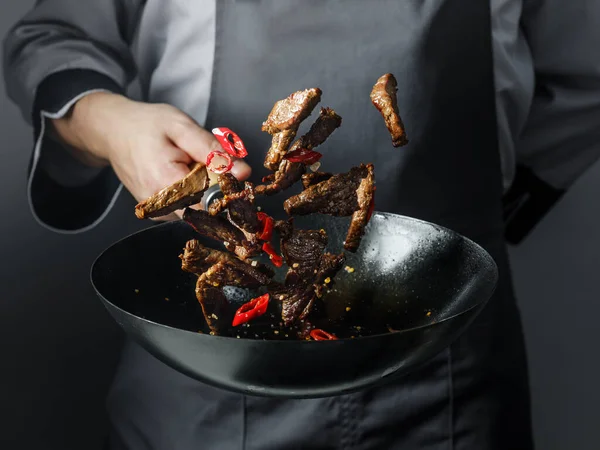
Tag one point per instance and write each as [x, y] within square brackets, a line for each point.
[472, 396]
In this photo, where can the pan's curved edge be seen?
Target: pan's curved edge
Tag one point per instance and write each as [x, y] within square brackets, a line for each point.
[480, 304]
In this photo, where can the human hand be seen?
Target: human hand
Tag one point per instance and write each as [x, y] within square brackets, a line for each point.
[149, 146]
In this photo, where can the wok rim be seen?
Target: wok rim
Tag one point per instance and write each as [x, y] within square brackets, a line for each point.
[479, 304]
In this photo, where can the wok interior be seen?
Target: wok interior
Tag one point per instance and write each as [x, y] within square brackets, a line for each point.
[407, 273]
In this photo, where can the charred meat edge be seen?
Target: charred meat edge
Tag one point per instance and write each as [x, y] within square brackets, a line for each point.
[308, 269]
[365, 193]
[185, 192]
[220, 229]
[238, 199]
[289, 172]
[312, 178]
[283, 122]
[336, 196]
[384, 97]
[197, 258]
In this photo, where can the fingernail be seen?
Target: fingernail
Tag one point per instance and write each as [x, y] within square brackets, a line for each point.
[241, 170]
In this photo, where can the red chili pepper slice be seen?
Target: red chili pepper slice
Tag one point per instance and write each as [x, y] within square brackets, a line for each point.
[319, 335]
[275, 258]
[230, 142]
[222, 168]
[371, 205]
[248, 311]
[267, 223]
[304, 155]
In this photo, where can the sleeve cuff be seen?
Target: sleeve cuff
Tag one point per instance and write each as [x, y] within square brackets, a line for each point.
[65, 195]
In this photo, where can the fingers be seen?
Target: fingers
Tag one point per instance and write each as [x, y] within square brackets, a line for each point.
[198, 143]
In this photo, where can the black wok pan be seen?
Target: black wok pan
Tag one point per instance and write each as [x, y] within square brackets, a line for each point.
[413, 276]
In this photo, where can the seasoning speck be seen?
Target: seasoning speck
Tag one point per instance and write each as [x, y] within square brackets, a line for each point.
[137, 291]
[214, 316]
[349, 269]
[428, 313]
[295, 265]
[327, 280]
[215, 284]
[167, 298]
[258, 208]
[348, 308]
[276, 331]
[254, 263]
[212, 333]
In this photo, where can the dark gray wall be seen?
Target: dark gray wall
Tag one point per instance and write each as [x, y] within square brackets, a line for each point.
[557, 278]
[59, 346]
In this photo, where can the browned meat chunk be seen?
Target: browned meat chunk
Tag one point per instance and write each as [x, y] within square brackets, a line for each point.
[291, 111]
[220, 229]
[287, 175]
[185, 192]
[384, 97]
[312, 178]
[309, 268]
[336, 196]
[238, 198]
[284, 120]
[279, 146]
[296, 301]
[327, 122]
[302, 251]
[217, 311]
[330, 265]
[198, 259]
[360, 218]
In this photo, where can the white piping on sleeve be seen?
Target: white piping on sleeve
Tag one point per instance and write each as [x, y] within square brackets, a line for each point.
[36, 157]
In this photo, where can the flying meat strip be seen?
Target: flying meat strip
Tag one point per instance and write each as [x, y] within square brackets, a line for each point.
[284, 120]
[185, 192]
[384, 97]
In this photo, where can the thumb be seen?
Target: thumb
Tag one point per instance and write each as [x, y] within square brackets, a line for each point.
[198, 143]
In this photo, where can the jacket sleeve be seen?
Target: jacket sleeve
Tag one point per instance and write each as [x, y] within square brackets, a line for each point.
[60, 51]
[561, 137]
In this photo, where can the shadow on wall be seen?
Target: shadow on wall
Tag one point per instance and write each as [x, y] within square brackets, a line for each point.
[58, 344]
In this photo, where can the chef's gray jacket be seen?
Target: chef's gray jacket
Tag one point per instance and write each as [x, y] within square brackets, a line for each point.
[225, 62]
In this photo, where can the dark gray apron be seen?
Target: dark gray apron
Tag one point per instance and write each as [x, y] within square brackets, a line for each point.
[473, 395]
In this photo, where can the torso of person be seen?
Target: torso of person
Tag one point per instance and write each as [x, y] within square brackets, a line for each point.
[226, 63]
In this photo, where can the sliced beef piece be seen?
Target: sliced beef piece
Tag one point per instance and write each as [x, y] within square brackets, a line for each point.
[384, 97]
[217, 311]
[336, 196]
[198, 259]
[220, 229]
[185, 192]
[329, 267]
[287, 175]
[294, 301]
[284, 120]
[291, 111]
[365, 194]
[238, 199]
[302, 251]
[279, 146]
[327, 122]
[312, 178]
[308, 269]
